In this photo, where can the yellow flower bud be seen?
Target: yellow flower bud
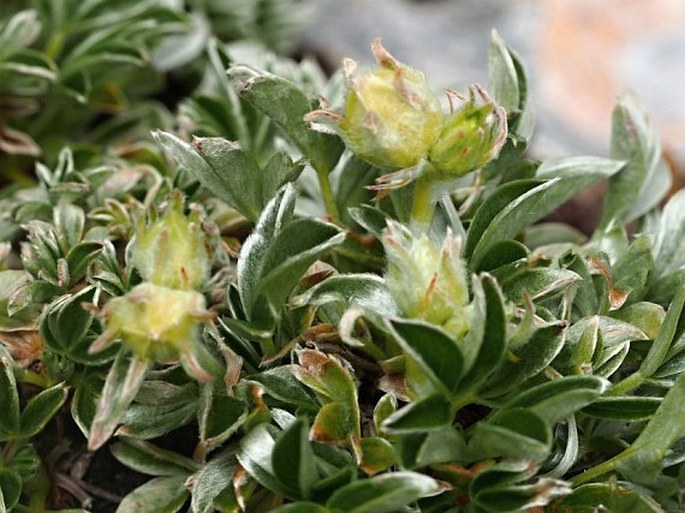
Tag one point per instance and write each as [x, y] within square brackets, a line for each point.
[472, 136]
[427, 282]
[158, 323]
[390, 118]
[172, 250]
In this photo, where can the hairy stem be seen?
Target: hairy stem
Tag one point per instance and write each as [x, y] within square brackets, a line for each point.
[327, 194]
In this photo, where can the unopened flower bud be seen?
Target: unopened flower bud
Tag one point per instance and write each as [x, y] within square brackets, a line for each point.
[172, 250]
[160, 324]
[472, 136]
[427, 282]
[391, 118]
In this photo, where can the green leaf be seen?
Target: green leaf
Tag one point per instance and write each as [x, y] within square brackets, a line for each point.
[9, 399]
[372, 219]
[658, 351]
[564, 179]
[504, 488]
[20, 30]
[492, 341]
[538, 283]
[339, 419]
[159, 495]
[367, 291]
[435, 355]
[644, 315]
[148, 421]
[594, 340]
[80, 257]
[628, 408]
[10, 489]
[121, 386]
[219, 416]
[40, 409]
[293, 460]
[502, 253]
[290, 253]
[446, 445]
[386, 406]
[84, 401]
[633, 270]
[222, 168]
[502, 74]
[69, 221]
[66, 328]
[492, 206]
[612, 496]
[384, 493]
[560, 398]
[149, 459]
[213, 479]
[302, 507]
[645, 179]
[255, 455]
[526, 360]
[286, 105]
[17, 310]
[250, 267]
[641, 462]
[432, 412]
[280, 384]
[514, 432]
[669, 243]
[377, 455]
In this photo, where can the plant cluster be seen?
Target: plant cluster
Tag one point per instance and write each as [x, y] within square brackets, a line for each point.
[352, 304]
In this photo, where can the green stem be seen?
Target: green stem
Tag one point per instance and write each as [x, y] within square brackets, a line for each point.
[34, 378]
[422, 206]
[599, 470]
[630, 383]
[593, 473]
[327, 194]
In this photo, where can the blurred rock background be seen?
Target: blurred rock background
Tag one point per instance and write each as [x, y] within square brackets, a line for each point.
[580, 55]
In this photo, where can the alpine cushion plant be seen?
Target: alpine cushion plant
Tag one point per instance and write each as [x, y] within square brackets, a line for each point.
[438, 347]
